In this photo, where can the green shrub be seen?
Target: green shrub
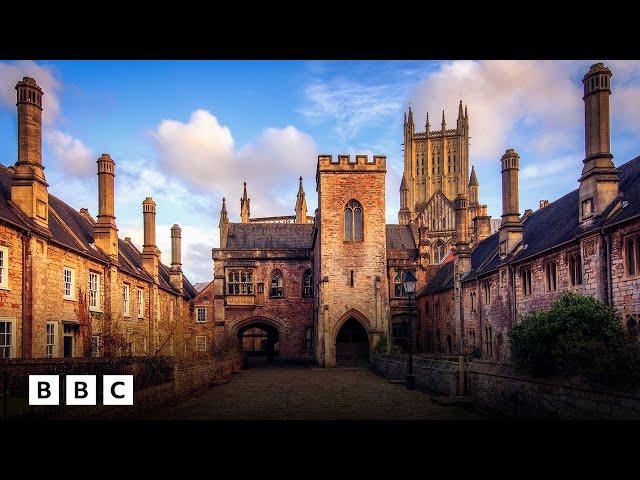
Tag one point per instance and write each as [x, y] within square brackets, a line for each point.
[381, 344]
[578, 334]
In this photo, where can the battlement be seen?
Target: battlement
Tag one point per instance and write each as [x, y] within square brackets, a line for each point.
[349, 163]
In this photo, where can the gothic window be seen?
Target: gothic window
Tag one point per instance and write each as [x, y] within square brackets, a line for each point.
[486, 290]
[449, 346]
[525, 280]
[307, 284]
[551, 276]
[353, 222]
[575, 269]
[488, 340]
[439, 252]
[473, 302]
[240, 282]
[277, 285]
[632, 255]
[398, 285]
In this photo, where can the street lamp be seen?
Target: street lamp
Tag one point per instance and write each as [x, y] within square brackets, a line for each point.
[409, 284]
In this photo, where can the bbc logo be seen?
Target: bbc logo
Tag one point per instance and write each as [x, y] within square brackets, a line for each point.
[81, 390]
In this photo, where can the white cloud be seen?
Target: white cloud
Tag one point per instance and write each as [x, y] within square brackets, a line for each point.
[73, 155]
[202, 153]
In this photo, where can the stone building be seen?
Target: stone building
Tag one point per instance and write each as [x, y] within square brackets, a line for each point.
[587, 242]
[68, 285]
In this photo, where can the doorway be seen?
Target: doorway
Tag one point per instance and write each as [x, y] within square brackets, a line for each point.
[67, 345]
[259, 343]
[352, 345]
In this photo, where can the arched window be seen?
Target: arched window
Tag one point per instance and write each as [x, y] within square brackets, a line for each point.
[438, 252]
[353, 225]
[307, 284]
[277, 285]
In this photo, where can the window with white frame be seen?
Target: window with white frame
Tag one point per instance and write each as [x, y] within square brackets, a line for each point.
[69, 283]
[51, 339]
[95, 345]
[6, 338]
[126, 302]
[94, 291]
[4, 267]
[140, 303]
[201, 314]
[201, 343]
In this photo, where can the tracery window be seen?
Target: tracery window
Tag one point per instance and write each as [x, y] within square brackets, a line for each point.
[353, 222]
[307, 284]
[277, 285]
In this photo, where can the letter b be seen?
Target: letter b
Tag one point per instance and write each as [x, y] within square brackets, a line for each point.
[44, 390]
[81, 389]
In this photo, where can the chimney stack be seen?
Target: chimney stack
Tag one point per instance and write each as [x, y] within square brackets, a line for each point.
[175, 273]
[482, 224]
[150, 252]
[599, 181]
[105, 231]
[28, 186]
[463, 255]
[511, 230]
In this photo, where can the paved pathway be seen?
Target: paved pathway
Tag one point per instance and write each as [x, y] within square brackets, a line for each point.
[285, 392]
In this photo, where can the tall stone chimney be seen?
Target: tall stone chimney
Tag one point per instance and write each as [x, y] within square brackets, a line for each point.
[105, 231]
[28, 186]
[150, 252]
[599, 181]
[511, 229]
[177, 279]
[482, 224]
[463, 252]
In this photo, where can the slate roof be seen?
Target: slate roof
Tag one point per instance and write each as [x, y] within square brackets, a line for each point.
[81, 239]
[200, 286]
[550, 227]
[400, 237]
[270, 236]
[442, 280]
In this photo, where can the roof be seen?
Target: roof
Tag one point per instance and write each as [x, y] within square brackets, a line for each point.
[442, 280]
[75, 231]
[399, 237]
[200, 286]
[550, 227]
[270, 236]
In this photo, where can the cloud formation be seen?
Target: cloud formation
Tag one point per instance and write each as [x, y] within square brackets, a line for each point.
[202, 153]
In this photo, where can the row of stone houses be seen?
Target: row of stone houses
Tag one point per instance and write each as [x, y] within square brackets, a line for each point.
[68, 285]
[586, 242]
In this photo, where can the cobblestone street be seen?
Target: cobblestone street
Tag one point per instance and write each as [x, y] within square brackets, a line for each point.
[285, 392]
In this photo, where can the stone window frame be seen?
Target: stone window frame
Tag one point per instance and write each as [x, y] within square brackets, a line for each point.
[488, 340]
[631, 270]
[436, 251]
[353, 206]
[4, 268]
[72, 284]
[631, 323]
[50, 340]
[9, 346]
[204, 317]
[95, 345]
[486, 292]
[140, 303]
[574, 259]
[307, 284]
[201, 341]
[526, 280]
[548, 277]
[239, 281]
[474, 301]
[279, 287]
[96, 297]
[472, 336]
[126, 300]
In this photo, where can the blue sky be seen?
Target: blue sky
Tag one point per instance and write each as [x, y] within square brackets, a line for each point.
[190, 132]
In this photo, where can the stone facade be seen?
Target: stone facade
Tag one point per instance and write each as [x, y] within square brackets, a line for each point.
[65, 274]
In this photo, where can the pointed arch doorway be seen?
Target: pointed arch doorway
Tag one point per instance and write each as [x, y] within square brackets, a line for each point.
[352, 344]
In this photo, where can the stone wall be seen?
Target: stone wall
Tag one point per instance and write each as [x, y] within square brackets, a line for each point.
[496, 387]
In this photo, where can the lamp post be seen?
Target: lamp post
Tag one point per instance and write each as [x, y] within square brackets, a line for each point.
[409, 284]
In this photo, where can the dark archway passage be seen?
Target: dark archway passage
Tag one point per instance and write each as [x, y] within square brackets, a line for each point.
[352, 344]
[259, 342]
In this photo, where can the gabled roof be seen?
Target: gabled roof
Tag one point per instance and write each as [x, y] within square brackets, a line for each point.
[270, 236]
[442, 280]
[71, 229]
[399, 237]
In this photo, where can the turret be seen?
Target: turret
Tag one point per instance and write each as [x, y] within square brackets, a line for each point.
[599, 181]
[301, 205]
[460, 121]
[473, 187]
[444, 123]
[244, 206]
[28, 186]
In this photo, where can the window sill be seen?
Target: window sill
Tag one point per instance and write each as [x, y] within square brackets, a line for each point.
[95, 310]
[70, 299]
[5, 287]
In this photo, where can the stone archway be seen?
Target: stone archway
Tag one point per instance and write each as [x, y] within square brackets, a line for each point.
[352, 341]
[259, 339]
